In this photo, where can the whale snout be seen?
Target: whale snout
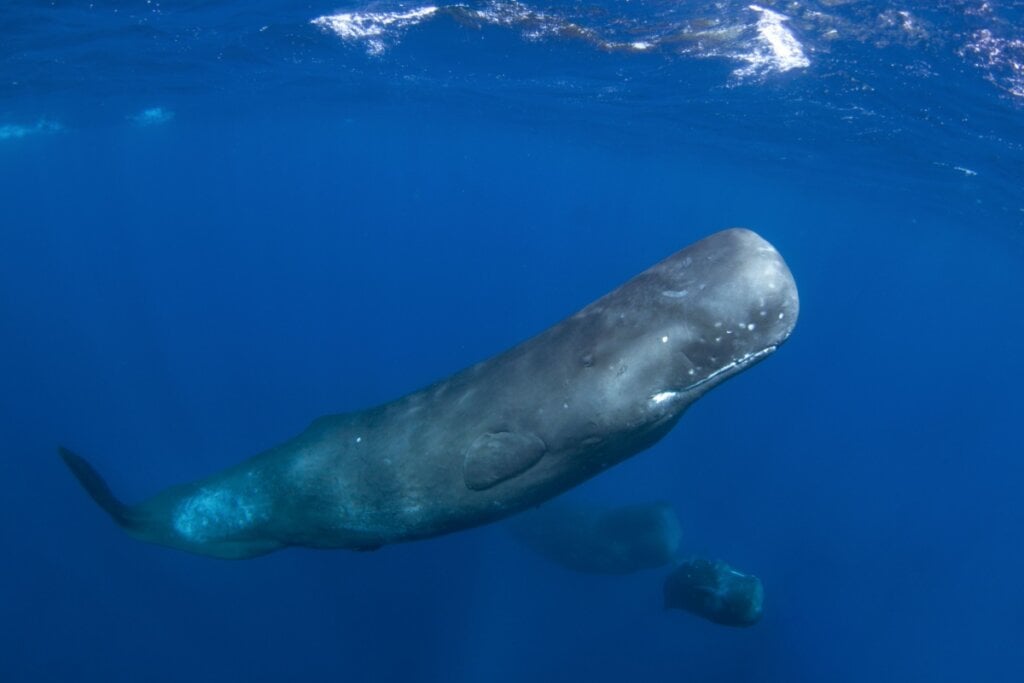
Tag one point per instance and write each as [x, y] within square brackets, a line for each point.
[735, 303]
[752, 301]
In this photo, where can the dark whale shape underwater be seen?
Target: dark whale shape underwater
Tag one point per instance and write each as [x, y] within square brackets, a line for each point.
[501, 436]
[599, 539]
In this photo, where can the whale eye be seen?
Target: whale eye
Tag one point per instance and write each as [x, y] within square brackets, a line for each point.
[497, 456]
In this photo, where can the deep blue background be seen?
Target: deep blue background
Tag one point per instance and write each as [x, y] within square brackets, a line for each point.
[176, 298]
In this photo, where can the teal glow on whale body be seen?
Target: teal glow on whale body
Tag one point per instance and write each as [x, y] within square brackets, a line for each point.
[504, 434]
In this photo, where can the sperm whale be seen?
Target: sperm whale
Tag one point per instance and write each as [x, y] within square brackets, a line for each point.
[500, 436]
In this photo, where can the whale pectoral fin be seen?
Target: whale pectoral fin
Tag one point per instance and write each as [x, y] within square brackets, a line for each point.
[496, 456]
[94, 485]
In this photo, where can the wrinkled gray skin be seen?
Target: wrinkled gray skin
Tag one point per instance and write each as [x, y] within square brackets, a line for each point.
[500, 436]
[595, 539]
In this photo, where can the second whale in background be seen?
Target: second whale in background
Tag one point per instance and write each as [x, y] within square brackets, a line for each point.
[597, 539]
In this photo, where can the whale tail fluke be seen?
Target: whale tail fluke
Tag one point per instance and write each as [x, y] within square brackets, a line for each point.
[94, 485]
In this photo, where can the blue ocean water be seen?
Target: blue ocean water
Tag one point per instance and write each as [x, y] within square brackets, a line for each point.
[221, 220]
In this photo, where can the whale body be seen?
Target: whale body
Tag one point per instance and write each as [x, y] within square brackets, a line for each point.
[713, 590]
[500, 436]
[599, 539]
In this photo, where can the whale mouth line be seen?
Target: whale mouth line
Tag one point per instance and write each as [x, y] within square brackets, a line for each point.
[732, 368]
[724, 372]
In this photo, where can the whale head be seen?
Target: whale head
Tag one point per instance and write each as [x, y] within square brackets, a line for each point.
[728, 302]
[688, 323]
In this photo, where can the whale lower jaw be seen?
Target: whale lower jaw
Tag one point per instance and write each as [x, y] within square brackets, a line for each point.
[669, 398]
[723, 373]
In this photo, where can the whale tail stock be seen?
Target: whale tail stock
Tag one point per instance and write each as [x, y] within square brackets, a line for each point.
[160, 519]
[97, 488]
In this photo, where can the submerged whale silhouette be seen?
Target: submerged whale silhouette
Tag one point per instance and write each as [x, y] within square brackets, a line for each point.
[600, 539]
[504, 434]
